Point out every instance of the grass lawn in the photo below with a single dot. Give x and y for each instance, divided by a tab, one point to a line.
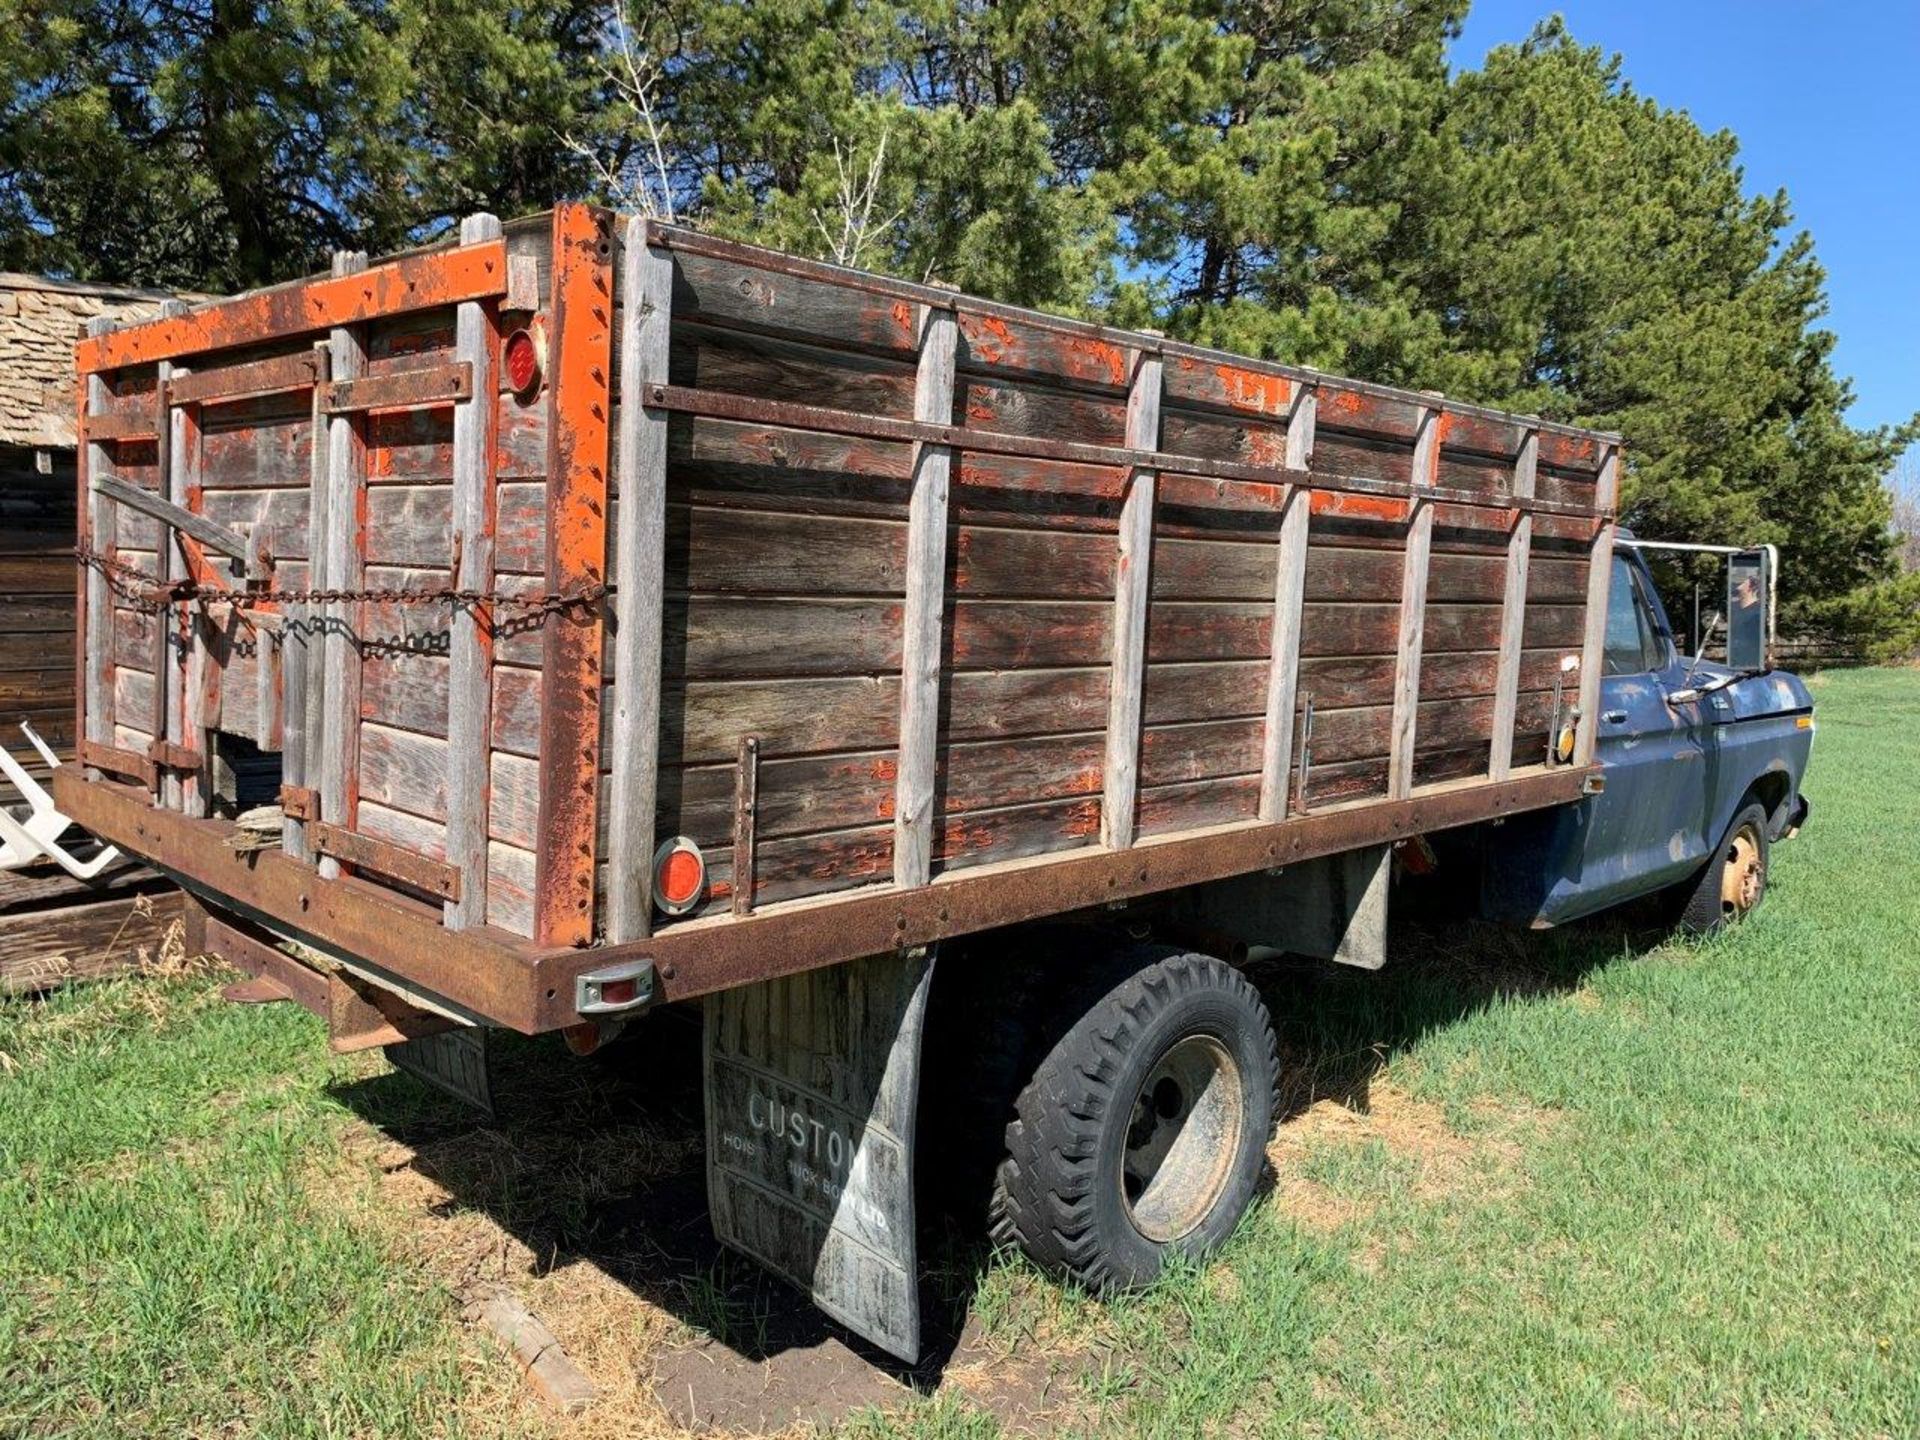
1582	1183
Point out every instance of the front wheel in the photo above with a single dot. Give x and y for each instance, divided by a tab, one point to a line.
1143	1130
1732	884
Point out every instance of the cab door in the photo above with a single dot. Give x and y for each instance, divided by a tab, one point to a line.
1648	826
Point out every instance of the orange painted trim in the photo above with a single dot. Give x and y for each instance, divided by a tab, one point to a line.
578	461
417	282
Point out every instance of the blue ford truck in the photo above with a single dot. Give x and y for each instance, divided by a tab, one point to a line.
589	618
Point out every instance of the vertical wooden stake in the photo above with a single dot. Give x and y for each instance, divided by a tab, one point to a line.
746	808
1599	577
1413	609
1289	590
470	654
303	630
101	518
925	608
1513	612
1133	581
646	291
345	563
166	783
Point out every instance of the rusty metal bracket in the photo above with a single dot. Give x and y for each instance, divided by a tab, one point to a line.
299	802
400	390
166	755
116	761
386	860
229	383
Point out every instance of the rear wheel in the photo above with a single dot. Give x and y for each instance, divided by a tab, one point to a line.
1143	1129
1732	884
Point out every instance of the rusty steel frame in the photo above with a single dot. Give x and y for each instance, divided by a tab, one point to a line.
414	282
529	987
721	405
578	461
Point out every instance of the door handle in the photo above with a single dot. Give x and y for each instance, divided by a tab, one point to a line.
1614	717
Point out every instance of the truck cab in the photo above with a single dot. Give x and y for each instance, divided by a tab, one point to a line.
1689	747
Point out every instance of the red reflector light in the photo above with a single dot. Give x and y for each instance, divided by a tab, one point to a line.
619	992
679	876
523	362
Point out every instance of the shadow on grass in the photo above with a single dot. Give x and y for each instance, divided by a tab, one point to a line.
601	1160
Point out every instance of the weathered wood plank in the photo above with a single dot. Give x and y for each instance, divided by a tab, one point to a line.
470	656
1289	594
1413	610
924	607
339	748
101	521
1599	576
1513	607
646	293
1132	589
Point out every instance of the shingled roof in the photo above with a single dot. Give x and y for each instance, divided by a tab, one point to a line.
40	318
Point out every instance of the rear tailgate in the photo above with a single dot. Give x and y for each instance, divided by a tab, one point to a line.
283	491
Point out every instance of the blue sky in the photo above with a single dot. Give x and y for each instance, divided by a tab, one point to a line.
1825	99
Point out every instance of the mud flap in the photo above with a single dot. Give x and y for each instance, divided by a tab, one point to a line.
1334	907
453	1062
811	1087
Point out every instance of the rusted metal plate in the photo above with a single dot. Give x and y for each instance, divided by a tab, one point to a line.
362	1016
482	970
299	802
392	862
135	425
253	952
414	282
172	756
811	1084
116	761
402	389
244	382
576	561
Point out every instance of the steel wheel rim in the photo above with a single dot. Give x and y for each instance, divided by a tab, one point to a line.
1743	873
1182	1139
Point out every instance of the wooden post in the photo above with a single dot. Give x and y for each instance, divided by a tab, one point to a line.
1132	582
1289	590
1413	609
1599	577
304	630
470	647
1513	612
346	486
102	522
199	675
164	778
646	290
925	607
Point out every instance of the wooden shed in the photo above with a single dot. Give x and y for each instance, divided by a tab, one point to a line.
50	924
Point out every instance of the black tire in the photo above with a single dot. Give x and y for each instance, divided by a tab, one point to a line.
1733	882
1105	1175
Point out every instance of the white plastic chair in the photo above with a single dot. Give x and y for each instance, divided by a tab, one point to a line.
37	837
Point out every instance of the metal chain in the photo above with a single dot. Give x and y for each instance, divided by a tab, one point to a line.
138	588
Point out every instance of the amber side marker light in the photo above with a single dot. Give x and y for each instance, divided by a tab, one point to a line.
679	875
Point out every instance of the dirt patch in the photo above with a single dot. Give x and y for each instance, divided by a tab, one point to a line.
1434	1158
585	1200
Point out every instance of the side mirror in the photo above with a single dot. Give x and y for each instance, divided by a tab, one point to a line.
1748	606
